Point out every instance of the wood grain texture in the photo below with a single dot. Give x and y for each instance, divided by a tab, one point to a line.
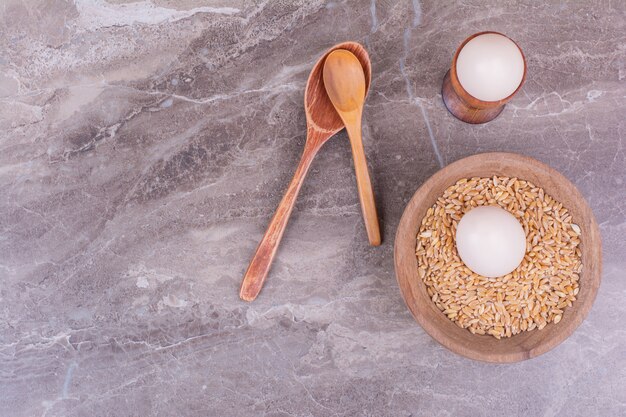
363	182
466	107
525	345
344	80
322	123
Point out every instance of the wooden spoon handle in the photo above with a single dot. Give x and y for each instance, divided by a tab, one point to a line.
262	260
364	185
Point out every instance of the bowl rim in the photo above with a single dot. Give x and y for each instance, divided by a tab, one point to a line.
430	320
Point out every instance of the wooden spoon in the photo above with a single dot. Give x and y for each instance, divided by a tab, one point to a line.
345	84
322	123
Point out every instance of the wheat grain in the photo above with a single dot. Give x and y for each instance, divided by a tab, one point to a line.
536	293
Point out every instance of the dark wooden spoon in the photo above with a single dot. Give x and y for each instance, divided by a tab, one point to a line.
322	123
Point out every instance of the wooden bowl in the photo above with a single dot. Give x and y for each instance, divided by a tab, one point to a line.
524	345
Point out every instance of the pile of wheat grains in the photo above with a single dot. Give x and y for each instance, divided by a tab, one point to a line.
535	293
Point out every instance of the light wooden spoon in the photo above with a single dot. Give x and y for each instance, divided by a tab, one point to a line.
322	123
345	84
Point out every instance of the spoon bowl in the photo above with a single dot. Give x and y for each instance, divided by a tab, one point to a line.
320	112
344	80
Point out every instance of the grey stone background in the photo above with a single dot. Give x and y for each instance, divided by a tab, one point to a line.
144	147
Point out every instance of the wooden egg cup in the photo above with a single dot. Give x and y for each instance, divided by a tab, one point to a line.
466	107
524	345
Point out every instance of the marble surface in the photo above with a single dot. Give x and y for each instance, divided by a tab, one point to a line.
145	145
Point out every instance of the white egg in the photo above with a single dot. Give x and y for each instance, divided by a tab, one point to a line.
490	67
491	241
